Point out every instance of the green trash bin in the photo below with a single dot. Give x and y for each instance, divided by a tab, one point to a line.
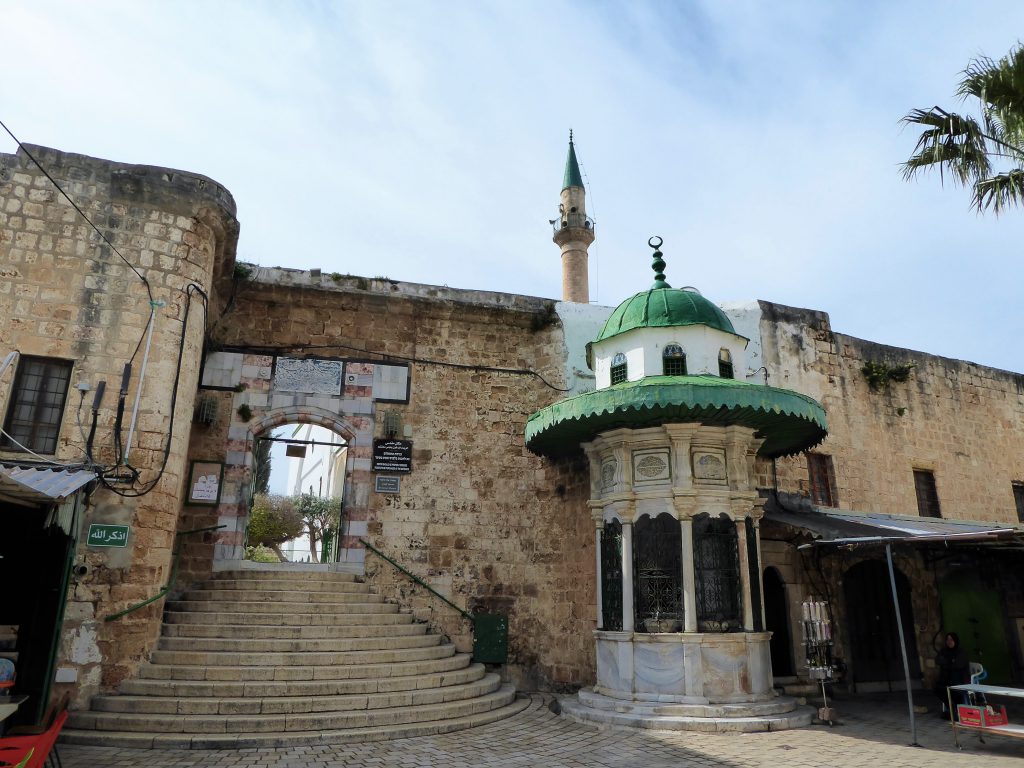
490	638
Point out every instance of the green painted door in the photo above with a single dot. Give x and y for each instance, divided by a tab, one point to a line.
976	615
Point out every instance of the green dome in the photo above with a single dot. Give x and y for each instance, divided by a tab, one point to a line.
662	308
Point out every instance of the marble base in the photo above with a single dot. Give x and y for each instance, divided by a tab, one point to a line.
779	714
685	667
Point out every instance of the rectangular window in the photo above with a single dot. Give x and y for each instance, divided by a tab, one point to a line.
822	479
618	373
927	495
1018	499
675	366
36	406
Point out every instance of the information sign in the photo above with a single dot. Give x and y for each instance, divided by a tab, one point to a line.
101	535
392	456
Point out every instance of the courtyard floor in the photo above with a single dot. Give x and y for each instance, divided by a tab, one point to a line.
873	732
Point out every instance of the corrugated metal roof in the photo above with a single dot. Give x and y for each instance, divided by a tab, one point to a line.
41	485
846	527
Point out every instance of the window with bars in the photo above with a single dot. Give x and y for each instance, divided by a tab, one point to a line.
618	368
36	405
1018	499
658	574
725	364
673	360
822	479
927	495
716	563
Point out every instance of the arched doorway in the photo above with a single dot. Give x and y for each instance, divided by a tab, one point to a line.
976	615
871	624
776	614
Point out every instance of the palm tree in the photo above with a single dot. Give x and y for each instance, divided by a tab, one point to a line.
987	152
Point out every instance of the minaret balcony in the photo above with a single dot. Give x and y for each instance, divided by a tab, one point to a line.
571	221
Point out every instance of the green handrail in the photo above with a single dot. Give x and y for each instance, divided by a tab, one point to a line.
417	580
173	576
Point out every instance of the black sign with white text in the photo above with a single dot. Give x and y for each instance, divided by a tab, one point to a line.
392	456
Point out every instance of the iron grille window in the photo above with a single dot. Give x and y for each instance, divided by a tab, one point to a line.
618	368
822	478
717	566
611	576
37	404
658	582
673	360
1018	499
927	495
725	364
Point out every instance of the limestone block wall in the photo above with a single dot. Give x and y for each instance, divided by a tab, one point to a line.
479	518
65	294
962	421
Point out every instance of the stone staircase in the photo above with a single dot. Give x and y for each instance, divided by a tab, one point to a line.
285	658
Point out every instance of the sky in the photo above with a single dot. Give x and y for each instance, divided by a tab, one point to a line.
425	141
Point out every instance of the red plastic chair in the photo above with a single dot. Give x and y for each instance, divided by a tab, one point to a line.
42	745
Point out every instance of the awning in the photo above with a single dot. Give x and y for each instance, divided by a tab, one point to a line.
24	484
849	528
788	421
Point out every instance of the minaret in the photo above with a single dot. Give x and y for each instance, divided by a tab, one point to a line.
574	232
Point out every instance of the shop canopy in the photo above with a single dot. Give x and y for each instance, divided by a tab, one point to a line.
30	485
848	528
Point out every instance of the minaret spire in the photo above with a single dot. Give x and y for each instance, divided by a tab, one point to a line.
574	231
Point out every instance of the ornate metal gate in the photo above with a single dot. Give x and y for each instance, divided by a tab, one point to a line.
717	566
611	576
658	591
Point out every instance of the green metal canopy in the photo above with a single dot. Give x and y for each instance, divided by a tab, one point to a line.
788	421
572	176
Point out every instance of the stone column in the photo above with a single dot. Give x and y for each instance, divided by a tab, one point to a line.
689	577
748	607
760	570
627	576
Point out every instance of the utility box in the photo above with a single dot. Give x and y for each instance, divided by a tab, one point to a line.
490	638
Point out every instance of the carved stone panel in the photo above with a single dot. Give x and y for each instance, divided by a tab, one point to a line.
320	377
651	466
608	468
709	467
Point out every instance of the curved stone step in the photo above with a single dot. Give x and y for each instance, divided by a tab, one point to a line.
289	705
278	596
284	585
326	672
126	739
298	658
574	709
302	632
290	723
344	687
278	607
378	642
253	574
177	616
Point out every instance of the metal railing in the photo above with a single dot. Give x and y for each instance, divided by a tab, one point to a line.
567	220
418	580
171	579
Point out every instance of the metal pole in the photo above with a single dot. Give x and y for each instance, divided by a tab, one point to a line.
903	646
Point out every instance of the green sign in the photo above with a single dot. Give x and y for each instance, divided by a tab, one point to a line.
107	535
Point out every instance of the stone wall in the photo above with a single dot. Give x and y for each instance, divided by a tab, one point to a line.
960	420
482	520
65	294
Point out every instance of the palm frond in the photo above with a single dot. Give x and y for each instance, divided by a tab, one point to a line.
999	192
952	144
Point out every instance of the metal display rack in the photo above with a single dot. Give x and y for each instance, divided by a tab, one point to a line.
818	647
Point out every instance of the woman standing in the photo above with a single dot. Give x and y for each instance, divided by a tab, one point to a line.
954	669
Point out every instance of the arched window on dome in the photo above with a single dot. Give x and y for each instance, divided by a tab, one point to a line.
673	360
618	368
725	364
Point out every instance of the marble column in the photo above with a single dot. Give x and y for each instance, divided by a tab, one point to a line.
741	543
599	527
689	577
627	576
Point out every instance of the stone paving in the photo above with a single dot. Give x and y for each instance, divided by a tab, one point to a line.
872	732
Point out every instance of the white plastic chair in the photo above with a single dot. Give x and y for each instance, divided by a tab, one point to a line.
978	673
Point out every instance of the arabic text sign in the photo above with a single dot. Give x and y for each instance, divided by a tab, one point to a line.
101	535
